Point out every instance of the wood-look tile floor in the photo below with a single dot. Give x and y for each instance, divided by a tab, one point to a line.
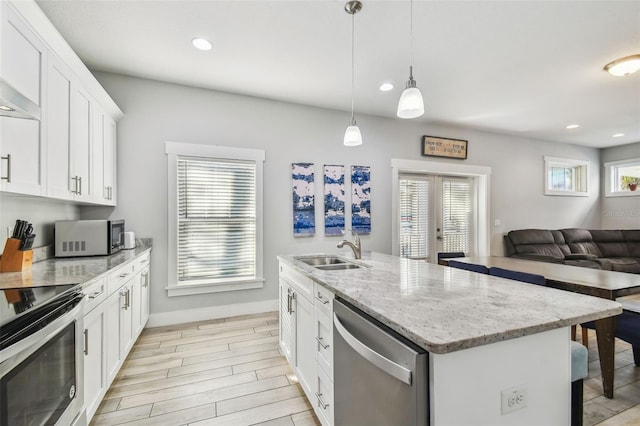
231	372
220	372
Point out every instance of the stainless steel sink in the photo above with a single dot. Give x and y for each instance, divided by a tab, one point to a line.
329	262
338	266
321	260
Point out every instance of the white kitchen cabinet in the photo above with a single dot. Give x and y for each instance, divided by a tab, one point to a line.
21	145
143	297
58	132
95	338
297	337
80	152
114	355
103	157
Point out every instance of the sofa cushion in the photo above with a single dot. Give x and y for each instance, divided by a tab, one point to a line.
610	242
531	236
558	238
632	238
543	249
580	241
622	264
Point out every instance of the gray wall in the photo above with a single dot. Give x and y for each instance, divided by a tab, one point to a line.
156	112
41	212
619	212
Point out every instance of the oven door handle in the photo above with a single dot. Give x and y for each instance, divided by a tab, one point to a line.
38	338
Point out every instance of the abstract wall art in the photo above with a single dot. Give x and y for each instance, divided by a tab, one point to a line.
304	221
361	199
333	200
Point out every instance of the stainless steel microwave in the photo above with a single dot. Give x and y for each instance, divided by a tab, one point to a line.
88	237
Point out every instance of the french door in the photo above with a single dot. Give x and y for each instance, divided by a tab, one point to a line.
436	214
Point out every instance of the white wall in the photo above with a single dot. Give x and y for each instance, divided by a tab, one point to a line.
619	212
156	112
40	212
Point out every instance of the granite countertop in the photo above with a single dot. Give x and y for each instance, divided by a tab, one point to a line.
445	309
71	270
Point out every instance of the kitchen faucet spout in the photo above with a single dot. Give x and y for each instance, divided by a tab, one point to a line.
355	246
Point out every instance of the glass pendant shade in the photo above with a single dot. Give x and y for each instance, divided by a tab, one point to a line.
411	104
352	136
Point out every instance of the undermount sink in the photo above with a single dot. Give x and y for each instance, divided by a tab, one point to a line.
329	263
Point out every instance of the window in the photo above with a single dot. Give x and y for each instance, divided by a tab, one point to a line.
564	176
622	178
415	195
215	218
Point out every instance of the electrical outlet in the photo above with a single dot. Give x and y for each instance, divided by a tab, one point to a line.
513	399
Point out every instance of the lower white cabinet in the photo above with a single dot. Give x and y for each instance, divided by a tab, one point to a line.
306	337
116	311
95	356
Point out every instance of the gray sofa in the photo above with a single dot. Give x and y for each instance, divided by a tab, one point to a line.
613	250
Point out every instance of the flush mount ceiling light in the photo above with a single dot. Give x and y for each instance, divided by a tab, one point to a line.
411	104
623	66
201	43
6	108
572	126
352	136
385	87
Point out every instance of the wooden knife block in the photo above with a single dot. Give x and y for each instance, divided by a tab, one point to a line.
14	260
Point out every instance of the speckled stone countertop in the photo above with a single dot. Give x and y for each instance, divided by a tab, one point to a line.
444	309
71	270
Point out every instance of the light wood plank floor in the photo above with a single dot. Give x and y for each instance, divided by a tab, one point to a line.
220	372
231	372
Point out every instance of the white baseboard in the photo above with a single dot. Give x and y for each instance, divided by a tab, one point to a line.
202	314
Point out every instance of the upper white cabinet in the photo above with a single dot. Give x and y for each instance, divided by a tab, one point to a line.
21	66
58	129
70	152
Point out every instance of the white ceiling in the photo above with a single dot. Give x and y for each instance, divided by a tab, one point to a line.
517	67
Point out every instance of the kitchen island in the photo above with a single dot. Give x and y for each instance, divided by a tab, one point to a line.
484	334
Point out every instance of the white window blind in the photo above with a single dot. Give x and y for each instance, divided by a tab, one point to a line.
414	216
456	215
216	220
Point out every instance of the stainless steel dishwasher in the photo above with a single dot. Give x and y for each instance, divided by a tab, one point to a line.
380	378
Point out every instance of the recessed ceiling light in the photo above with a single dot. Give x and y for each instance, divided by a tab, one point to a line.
573	126
385	87
6	108
617	135
202	44
623	66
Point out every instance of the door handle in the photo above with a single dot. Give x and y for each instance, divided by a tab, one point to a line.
319	340
86	341
385	364
321	403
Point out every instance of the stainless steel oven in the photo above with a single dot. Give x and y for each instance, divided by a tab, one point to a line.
41	356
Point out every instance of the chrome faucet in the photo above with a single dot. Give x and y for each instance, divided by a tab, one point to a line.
355	246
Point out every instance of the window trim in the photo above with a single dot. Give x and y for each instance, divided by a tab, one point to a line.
175	149
608	176
548	161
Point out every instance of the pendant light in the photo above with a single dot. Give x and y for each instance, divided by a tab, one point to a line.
352	136
411	104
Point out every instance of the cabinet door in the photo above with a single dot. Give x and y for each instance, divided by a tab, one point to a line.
126	324
109	160
58	129
144	297
95	362
136	305
287	323
305	346
81	115
20	152
115	304
100	194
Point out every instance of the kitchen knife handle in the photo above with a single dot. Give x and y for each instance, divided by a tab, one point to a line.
8	177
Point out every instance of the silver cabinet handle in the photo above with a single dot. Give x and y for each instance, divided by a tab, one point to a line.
123	293
124	275
80	180
383	363
86	341
321	299
321	403
146	279
319	340
128	298
75	185
95	294
105	192
8	176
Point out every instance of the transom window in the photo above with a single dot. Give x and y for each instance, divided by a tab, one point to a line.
622	178
564	176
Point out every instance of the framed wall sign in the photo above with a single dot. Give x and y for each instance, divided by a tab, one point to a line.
433	146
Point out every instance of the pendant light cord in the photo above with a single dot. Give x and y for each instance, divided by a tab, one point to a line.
352	64
411	40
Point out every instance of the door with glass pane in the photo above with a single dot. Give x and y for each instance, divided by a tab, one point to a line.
436	214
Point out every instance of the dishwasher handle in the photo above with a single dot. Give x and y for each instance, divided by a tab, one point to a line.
396	370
